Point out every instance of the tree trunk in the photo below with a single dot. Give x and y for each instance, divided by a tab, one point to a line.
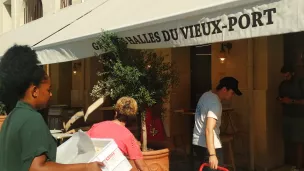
144	132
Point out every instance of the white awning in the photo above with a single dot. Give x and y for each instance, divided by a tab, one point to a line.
170	23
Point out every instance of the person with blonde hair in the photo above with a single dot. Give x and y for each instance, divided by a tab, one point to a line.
116	129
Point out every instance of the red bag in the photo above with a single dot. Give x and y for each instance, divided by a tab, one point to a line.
207	165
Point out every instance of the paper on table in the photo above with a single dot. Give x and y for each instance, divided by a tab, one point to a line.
81	114
93	107
78	149
73	119
61	135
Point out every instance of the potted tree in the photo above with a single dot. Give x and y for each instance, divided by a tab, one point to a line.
2	114
141	74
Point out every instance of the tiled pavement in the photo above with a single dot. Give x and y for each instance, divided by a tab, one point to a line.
179	163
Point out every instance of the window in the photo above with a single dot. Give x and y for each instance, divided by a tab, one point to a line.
65	3
32	10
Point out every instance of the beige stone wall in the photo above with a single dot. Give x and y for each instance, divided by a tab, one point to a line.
235	65
260	99
92	66
167	53
260	109
268	133
180	97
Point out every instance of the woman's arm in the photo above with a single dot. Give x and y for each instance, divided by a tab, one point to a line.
40	163
135	153
141	165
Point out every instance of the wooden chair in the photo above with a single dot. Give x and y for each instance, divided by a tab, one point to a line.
228	139
179	142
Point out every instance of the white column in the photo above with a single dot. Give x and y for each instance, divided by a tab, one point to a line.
1	18
57	5
17	13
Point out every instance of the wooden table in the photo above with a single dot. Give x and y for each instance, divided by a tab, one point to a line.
191	113
61	136
225	112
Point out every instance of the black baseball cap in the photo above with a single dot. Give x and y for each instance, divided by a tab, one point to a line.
287	68
231	83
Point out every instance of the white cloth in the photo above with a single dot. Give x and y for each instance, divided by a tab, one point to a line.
209	105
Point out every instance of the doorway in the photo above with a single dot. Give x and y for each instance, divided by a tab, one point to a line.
200	66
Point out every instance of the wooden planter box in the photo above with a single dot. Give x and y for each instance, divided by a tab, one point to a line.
2	118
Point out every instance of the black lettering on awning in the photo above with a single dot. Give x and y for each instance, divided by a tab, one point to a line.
174	34
206	31
136	40
147	40
95	46
232	22
191	31
216	26
129	39
184	32
157	37
166	35
269	13
142	41
256	19
197	29
244	23
151	37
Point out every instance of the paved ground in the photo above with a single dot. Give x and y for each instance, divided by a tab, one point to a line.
178	162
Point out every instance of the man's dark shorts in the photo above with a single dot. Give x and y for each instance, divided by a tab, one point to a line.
202	156
293	128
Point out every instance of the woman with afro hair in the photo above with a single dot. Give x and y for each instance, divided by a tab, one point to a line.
26	143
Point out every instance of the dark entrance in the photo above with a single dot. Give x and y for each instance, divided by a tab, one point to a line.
200	64
294	56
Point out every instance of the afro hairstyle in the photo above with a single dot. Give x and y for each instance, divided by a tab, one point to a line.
19	68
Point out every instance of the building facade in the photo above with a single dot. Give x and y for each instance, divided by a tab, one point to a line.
255	62
15	13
